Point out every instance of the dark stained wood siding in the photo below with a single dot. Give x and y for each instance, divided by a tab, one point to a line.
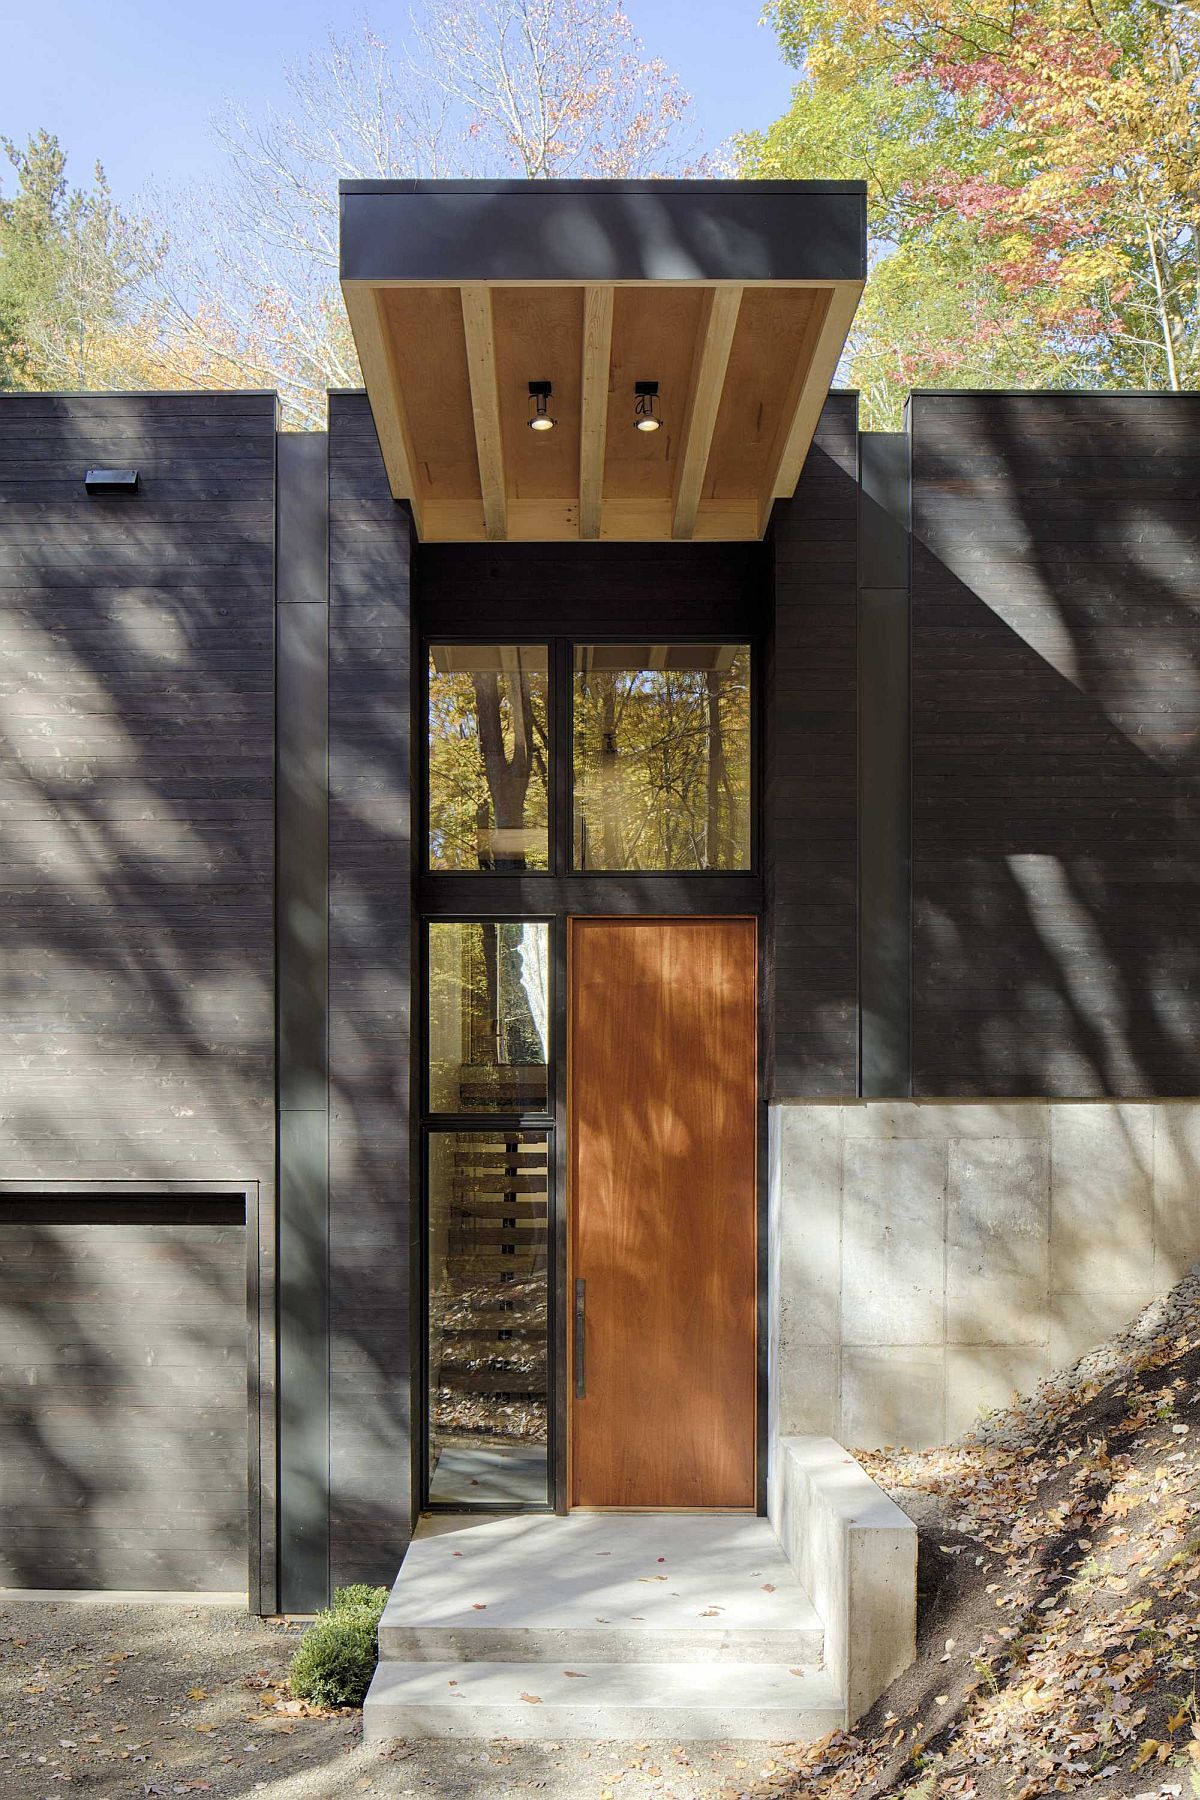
1056	721
371	1195
811	773
580	590
122	1403
136	797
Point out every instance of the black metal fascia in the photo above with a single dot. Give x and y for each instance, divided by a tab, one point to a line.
302	980
884	766
546	231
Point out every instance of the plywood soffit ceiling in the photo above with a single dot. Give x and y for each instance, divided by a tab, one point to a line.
743	369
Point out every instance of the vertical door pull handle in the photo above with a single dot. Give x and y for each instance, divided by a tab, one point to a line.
580	1336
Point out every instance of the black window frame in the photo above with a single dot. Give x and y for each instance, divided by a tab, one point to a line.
555	895
560	811
431	1122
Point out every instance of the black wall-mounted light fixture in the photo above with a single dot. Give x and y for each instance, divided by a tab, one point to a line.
539	406
111	481
645	406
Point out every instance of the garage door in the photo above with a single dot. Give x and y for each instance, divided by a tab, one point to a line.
122	1393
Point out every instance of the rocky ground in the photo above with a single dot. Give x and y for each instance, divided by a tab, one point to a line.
1059	1649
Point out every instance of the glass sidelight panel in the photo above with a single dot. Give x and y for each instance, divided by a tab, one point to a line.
662	756
487	1252
488	756
489	1005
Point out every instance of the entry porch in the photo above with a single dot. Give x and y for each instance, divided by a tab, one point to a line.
681	1625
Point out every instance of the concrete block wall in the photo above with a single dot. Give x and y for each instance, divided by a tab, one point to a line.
929	1259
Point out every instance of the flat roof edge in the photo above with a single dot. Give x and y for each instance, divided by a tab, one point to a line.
604	232
1053	393
655	185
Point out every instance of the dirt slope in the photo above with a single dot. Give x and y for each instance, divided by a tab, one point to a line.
1060	1584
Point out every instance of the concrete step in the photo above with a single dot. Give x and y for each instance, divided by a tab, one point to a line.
599	1588
640	1701
597	1643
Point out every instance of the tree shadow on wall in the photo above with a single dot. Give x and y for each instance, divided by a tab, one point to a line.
136	997
1056	745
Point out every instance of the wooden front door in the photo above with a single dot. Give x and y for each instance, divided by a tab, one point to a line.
662	1197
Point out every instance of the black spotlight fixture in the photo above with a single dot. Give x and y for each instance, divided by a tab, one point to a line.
539	406
645	406
111	481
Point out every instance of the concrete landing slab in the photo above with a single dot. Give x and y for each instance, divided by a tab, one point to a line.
599	1587
637	1701
512	1476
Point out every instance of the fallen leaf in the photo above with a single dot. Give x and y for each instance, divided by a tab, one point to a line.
532	1699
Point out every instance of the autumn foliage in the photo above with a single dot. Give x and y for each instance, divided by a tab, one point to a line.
1040	162
1059	1643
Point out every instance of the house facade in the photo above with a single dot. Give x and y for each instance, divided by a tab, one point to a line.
586	919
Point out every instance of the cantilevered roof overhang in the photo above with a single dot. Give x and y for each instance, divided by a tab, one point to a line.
734	296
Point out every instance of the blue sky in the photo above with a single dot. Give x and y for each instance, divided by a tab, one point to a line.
136	82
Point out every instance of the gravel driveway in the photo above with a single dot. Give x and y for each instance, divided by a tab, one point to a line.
101	1701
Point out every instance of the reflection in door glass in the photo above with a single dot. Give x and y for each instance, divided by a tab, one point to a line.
488	756
489	995
661	742
488	1194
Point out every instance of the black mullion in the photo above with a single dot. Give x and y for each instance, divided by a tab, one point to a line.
562	760
557	1398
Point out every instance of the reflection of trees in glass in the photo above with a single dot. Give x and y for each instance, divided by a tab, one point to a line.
662	758
487	1016
488	754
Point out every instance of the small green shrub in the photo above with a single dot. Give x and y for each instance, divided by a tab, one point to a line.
336	1657
359	1594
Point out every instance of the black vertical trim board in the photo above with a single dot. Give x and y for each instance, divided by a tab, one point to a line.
302	951
885	767
810	774
372	1180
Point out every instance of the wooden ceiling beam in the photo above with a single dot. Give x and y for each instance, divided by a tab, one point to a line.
715	341
485	406
593	406
812	378
383	391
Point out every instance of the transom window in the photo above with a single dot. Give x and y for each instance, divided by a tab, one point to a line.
658	737
489	755
661	742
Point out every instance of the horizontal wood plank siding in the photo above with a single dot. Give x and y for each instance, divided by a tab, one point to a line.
1056	720
586	590
811	774
371	1199
122	1350
136	804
